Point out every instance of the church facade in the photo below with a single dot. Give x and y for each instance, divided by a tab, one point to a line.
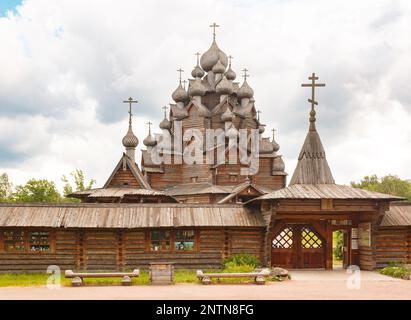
210	186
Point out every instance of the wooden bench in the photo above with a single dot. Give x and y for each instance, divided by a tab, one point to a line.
259	277
77	277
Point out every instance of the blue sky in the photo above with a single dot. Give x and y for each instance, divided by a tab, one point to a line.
6	5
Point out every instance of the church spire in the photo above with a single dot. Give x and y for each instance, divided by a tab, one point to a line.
312	166
130	141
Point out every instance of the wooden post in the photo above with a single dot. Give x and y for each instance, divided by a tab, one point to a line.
120	251
355	256
329	246
80	250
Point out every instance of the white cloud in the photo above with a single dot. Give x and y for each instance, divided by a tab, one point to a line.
66	67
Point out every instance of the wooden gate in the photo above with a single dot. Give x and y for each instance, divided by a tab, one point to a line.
298	246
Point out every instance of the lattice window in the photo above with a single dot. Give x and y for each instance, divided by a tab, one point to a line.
284	239
309	239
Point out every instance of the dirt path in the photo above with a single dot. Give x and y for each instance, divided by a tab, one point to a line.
304	285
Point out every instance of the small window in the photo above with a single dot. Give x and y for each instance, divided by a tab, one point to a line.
233	177
160	240
14	241
39	241
184	240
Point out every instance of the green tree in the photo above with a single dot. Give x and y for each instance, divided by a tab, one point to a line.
37	191
79	181
5	188
389	184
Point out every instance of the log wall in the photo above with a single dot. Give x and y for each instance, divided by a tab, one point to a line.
64	255
118	250
393	245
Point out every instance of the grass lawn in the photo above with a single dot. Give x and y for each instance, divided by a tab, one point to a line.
37	279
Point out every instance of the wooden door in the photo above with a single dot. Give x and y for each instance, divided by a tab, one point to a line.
298	246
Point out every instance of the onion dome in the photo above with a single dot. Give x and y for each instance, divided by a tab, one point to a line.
261	128
224	86
278	164
165	124
212	56
265	146
149	141
245	91
232	132
197	72
180	95
197	88
230	74
276	146
227	115
130	140
218	68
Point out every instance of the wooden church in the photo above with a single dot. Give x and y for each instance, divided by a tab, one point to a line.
199	213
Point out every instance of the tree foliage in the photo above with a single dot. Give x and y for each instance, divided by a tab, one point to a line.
37	191
80	184
5	188
389	184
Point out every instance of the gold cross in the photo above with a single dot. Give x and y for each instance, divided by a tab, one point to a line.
313	85
214	25
130	101
180	71
245	75
198	56
230	57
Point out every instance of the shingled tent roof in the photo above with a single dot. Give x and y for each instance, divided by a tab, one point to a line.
312	166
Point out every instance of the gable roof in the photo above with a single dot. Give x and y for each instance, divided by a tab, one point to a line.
197	188
125	160
241	187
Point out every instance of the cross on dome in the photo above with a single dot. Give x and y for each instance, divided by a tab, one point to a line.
180	71
130	101
214	25
198	54
245	75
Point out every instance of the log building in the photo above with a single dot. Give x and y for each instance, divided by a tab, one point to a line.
197	214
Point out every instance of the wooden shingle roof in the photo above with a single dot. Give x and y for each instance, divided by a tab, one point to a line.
312	166
324	191
128	216
399	214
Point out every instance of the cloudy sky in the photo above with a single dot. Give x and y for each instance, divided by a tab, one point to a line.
65	68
